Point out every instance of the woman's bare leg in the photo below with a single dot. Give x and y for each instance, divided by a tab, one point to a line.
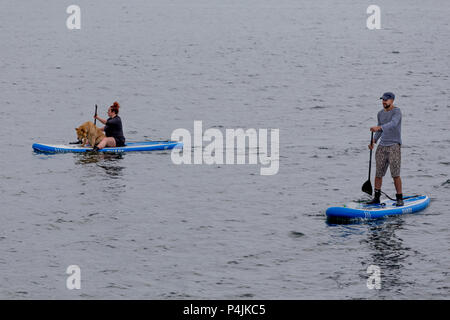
107	142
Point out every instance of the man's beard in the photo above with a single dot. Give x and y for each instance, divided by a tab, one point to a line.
386	106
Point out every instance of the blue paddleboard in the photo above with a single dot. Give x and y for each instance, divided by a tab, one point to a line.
129	147
386	208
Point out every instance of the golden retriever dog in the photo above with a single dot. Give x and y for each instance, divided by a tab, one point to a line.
89	132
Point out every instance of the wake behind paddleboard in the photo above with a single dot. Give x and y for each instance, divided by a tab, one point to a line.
356	210
129	147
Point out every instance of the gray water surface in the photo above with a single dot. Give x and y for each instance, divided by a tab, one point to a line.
141	227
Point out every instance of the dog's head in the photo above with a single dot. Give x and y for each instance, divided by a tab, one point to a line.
82	132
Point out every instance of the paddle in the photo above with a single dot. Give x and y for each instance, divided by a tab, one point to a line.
95	120
367	186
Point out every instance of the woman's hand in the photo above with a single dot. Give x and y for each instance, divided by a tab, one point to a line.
100	119
371	145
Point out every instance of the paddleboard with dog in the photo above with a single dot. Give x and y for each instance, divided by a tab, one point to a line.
387	207
129	147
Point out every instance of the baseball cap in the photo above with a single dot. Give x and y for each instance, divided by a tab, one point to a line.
387	96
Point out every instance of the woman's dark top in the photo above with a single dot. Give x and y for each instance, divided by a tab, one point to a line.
113	128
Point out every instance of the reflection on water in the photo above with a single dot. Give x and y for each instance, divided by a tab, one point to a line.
388	249
106	161
388	252
385	247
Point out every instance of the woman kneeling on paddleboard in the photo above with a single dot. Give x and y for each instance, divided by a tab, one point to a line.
113	129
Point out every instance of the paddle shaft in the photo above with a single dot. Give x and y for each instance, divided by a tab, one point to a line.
370	160
95	120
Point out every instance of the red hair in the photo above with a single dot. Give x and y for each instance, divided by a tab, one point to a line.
115	107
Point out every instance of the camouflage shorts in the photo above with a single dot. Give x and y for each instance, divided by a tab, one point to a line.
388	156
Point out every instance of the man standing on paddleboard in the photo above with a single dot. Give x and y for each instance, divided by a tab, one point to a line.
388	152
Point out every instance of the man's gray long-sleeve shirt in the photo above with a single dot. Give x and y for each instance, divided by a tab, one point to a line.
391	125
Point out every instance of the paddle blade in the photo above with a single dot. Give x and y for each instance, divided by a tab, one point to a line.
367	187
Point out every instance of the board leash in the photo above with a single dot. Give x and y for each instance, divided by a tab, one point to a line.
408	197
